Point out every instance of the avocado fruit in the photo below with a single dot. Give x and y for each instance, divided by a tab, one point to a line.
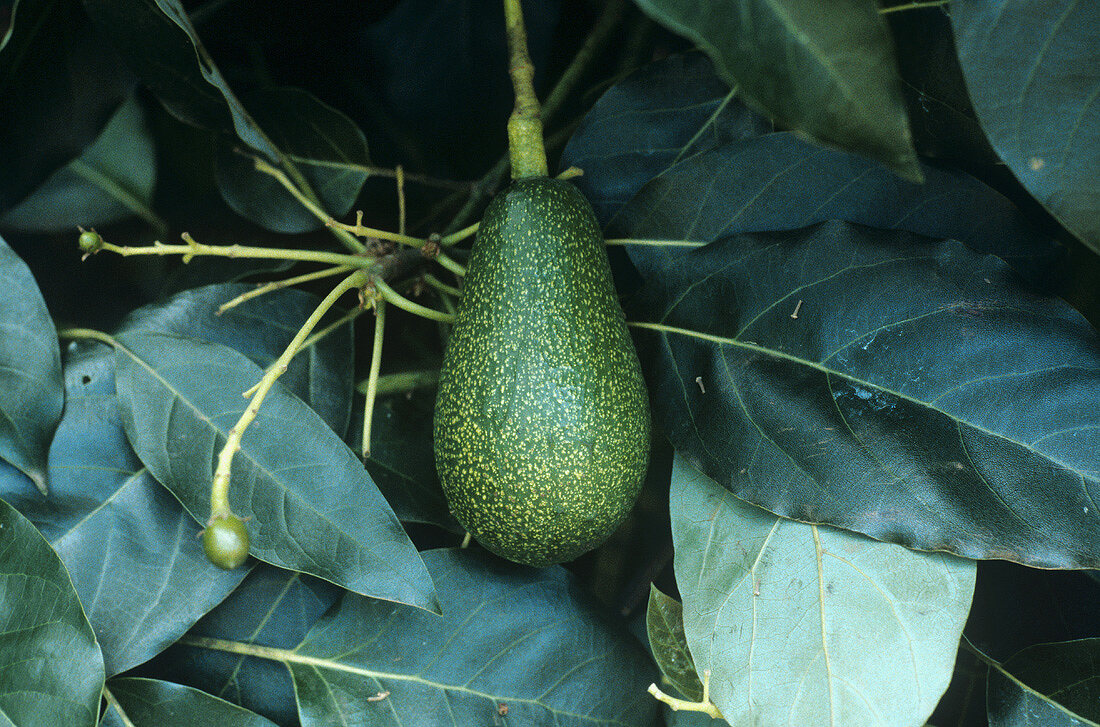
542	421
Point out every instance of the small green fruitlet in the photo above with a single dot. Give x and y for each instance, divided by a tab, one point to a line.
225	541
90	241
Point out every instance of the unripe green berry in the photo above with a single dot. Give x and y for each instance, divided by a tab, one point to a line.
225	541
90	241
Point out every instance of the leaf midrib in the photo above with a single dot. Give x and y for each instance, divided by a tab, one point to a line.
288	657
757	348
260	466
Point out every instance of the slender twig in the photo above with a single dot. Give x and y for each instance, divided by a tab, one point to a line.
423	179
450	264
440	285
704	705
607	22
401	382
400	200
280	284
348	317
375	367
914	6
76	334
191	248
457	237
654	243
307	201
392	296
219	488
361	230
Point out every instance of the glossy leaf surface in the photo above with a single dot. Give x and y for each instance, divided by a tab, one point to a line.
665	112
272	608
111	180
59	84
910	390
313	509
513	636
665	627
1058	684
779	182
261	328
802	624
132	551
51	670
326	146
154	703
1033	70
827	71
31	395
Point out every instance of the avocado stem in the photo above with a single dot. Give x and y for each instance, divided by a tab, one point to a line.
219	487
375	367
525	145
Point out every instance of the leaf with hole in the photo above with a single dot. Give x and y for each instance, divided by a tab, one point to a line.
313	509
809	625
127	543
908	389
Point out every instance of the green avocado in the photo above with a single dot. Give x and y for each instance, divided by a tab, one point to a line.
542	421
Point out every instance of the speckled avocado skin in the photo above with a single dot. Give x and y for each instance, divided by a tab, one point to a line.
542	421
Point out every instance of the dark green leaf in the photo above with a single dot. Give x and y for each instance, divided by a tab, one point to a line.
110	181
310	508
272	608
525	639
440	71
261	328
805	625
153	703
779	182
910	390
31	394
1060	680
326	146
402	460
1016	607
825	70
1033	71
1053	685
666	112
59	84
943	121
127	543
665	627
158	41
51	670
